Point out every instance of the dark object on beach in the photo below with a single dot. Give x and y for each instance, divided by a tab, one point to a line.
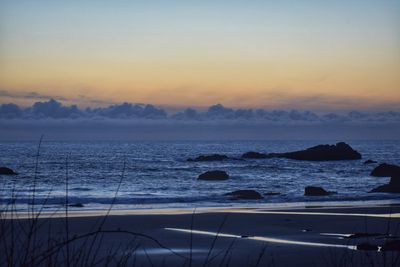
364	235
316	191
245	194
386	170
340	151
76	205
213	157
392	187
391	245
370	161
7	171
367	247
272	194
213	175
254	155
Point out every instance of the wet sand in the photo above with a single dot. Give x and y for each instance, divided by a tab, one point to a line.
230	236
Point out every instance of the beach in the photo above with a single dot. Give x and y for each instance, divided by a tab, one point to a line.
307	236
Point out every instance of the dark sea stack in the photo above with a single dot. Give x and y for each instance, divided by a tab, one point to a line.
340	151
392	187
386	170
213	157
245	194
370	161
254	155
214	175
7	171
316	191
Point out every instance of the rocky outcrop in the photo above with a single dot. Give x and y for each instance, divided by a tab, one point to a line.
245	194
7	171
370	161
254	155
386	170
316	191
213	157
340	151
213	175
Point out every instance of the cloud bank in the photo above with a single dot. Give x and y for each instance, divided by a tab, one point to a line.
53	109
131	122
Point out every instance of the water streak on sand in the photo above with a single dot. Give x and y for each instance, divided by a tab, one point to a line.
264	239
374	215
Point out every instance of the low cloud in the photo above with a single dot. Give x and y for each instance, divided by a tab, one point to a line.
53	109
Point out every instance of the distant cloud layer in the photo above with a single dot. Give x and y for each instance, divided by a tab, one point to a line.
53	109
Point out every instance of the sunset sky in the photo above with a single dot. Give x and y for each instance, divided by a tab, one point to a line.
323	55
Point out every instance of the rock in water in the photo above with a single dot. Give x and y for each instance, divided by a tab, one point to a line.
245	194
386	170
214	157
392	187
316	191
7	171
254	155
340	151
370	161
213	175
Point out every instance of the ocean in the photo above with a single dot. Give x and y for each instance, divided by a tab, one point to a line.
158	175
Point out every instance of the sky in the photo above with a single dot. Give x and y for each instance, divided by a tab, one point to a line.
318	55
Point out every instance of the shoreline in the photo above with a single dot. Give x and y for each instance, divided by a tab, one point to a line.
305	207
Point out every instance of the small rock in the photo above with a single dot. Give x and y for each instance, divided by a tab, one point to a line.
386	170
7	171
213	157
213	175
76	205
392	187
370	161
316	191
245	194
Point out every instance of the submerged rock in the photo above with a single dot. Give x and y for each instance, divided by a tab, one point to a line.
7	171
76	205
213	157
254	155
245	194
386	170
340	151
370	161
316	191
392	187
213	175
